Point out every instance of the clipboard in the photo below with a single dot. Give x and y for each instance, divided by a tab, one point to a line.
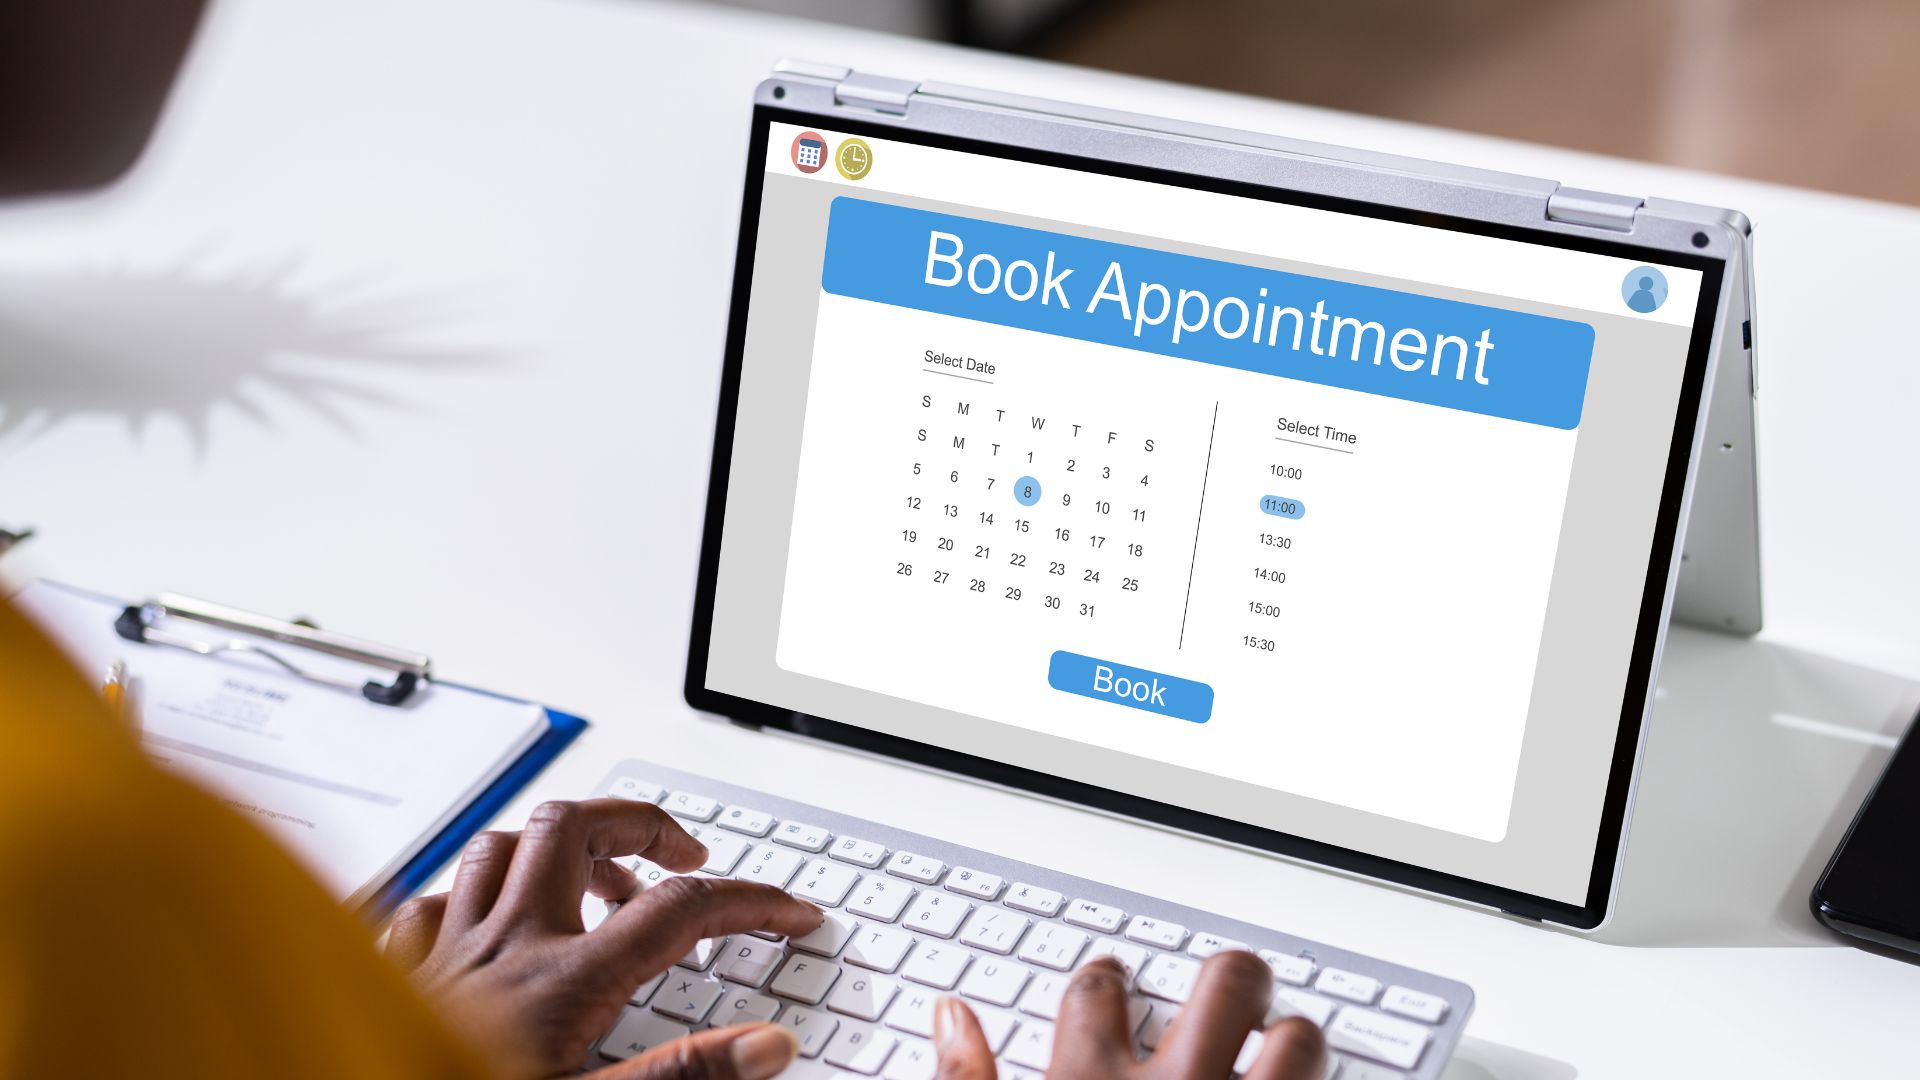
245	645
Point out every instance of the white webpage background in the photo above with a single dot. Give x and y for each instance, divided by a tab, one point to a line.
1411	616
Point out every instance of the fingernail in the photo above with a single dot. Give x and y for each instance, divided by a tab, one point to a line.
691	862
946	1021
763	1052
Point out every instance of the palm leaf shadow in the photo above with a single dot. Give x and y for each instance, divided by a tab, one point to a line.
140	346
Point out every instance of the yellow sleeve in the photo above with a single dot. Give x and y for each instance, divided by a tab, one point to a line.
147	930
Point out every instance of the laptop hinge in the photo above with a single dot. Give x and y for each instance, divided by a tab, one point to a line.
1595	208
875	92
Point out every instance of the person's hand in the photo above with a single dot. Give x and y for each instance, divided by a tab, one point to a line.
506	954
1093	1041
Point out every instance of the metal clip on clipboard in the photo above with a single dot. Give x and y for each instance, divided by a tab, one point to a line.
137	623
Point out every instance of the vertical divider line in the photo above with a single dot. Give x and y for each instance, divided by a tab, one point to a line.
1194	559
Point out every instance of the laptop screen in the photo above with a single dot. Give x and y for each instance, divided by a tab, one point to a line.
1335	524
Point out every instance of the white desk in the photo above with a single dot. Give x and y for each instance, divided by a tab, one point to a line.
411	321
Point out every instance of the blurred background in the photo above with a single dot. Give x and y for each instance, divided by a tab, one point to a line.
1748	87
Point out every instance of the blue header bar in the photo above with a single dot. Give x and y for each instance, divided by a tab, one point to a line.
1486	360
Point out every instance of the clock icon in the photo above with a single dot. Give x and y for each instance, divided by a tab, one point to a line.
854	159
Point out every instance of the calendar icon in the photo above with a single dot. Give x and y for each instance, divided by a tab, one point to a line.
809	151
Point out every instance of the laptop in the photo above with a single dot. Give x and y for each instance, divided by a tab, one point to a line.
1307	500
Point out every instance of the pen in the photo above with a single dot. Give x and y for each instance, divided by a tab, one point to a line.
114	689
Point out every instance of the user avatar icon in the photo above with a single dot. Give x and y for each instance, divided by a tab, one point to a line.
1644	290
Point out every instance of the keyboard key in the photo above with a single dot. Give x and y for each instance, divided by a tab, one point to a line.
770	865
1355	1069
638	1032
1348	986
1035	900
912	1060
1095	916
723	851
1131	957
812	1027
1163	935
1137	1009
1055	947
937	914
859	852
1249	1050
880	948
693	807
700	957
913	1012
1292	970
975	884
879	898
998	1027
937	964
825	883
1155	1028
743	1007
742	820
994	980
1042	998
1415	1004
805	978
994	930
915	867
804	837
594	911
648	873
1377	1036
645	990
748	960
686	997
630	787
1290	1002
829	937
862	995
1205	945
1169	977
1032	1045
862	1048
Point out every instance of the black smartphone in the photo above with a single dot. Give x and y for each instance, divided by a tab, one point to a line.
1871	887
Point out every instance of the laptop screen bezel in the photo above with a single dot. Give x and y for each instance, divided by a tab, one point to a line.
1647	636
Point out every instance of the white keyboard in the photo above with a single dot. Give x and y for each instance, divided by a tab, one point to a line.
911	919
